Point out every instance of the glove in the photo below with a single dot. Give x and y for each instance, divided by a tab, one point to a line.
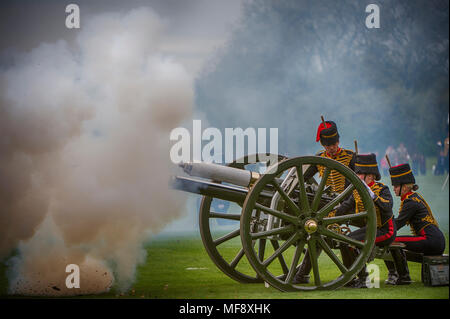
372	194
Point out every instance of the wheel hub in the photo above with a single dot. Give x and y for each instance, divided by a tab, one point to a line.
311	226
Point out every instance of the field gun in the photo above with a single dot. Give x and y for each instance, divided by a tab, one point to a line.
277	214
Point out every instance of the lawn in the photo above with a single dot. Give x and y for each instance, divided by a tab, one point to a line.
178	267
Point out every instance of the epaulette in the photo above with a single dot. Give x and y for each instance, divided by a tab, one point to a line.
348	151
415	198
380	184
378	187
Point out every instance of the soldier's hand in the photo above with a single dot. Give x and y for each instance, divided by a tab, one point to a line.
372	194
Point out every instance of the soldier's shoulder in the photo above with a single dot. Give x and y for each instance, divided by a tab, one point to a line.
416	198
347	152
380	185
412	198
320	153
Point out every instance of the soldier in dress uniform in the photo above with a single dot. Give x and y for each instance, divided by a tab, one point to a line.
329	139
328	135
366	168
414	211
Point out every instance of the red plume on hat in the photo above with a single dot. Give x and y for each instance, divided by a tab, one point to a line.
321	128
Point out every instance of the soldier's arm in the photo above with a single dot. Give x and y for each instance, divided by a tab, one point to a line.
311	170
346	207
384	199
408	209
351	165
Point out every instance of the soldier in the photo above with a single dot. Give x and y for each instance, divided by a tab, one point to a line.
366	168
414	211
328	136
329	139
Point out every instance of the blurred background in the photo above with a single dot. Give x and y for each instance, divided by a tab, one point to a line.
288	62
282	64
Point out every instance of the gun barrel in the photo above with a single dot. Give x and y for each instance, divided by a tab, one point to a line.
225	192
235	176
231	193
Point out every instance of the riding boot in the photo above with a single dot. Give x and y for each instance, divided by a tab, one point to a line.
362	278
362	275
302	276
393	275
348	257
401	264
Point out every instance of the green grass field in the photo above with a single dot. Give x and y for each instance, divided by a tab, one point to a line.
162	279
177	266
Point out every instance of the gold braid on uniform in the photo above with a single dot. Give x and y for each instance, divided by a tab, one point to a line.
337	182
429	218
335	179
359	205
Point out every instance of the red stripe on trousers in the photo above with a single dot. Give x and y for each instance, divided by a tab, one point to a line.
388	235
411	238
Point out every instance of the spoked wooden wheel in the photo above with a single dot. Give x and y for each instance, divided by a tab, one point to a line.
304	223
221	245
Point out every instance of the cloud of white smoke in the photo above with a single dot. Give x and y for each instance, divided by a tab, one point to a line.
84	152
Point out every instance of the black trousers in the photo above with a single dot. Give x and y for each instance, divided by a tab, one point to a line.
430	241
384	237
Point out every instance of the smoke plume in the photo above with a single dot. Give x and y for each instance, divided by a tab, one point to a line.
84	160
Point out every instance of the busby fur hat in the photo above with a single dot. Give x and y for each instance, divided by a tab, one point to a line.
327	135
367	164
401	174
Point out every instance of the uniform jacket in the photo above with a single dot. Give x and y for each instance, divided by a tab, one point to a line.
383	203
415	212
335	179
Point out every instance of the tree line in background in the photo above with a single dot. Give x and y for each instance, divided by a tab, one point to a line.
290	61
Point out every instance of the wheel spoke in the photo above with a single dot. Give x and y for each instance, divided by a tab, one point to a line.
318	196
279	265
341	237
281	249
330	206
225	216
295	259
276	213
284	267
315	266
275	231
261	249
332	255
304	203
343	219
286	198
228	236
238	258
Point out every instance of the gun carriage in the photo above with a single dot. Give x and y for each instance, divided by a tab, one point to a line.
280	216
